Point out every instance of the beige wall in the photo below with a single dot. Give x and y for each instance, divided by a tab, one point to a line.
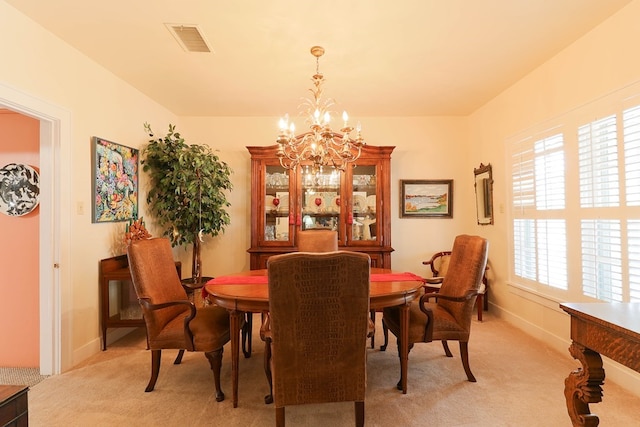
596	65
39	65
426	148
19	308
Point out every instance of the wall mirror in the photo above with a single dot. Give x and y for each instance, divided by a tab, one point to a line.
484	194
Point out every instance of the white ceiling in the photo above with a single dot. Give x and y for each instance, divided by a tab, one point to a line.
383	58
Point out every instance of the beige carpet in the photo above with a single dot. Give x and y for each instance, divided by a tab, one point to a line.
520	383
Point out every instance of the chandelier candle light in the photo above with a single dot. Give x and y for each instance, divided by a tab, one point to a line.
321	146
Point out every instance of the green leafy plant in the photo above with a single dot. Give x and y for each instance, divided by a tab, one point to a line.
187	195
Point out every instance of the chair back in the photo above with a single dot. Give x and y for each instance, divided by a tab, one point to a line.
465	272
319	308
317	240
154	276
440	263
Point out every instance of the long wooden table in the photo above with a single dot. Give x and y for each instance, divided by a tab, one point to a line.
609	329
240	297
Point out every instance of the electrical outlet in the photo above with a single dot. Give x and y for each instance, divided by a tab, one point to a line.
80	208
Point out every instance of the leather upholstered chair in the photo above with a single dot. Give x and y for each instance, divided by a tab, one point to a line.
449	318
316	331
172	321
313	240
322	240
439	264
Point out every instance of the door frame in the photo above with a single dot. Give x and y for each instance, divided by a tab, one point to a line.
55	124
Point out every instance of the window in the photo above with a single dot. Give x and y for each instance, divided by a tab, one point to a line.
578	218
539	191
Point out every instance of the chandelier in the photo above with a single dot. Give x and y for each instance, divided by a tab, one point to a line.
321	146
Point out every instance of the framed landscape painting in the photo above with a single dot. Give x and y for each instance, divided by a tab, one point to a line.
115	181
426	198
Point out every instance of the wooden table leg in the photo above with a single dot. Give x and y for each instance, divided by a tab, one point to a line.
404	345
234	326
583	386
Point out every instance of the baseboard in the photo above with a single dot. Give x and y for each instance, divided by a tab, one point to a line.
95	345
615	372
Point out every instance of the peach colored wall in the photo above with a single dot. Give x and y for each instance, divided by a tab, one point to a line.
19	258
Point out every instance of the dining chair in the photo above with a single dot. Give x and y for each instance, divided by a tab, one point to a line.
439	265
324	240
312	240
172	321
449	317
316	330
320	240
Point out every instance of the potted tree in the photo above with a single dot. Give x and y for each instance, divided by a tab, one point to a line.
187	192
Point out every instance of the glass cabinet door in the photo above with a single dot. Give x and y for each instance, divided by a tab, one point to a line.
277	213
320	201
364	205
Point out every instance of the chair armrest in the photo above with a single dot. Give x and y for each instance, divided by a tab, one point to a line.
428	329
188	318
371	328
192	308
265	329
433	280
470	293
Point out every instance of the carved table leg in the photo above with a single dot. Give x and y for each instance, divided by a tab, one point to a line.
583	386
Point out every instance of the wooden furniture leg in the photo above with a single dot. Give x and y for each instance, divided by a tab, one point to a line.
404	345
234	326
583	386
246	335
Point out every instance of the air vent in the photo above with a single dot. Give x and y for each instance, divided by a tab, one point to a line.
189	37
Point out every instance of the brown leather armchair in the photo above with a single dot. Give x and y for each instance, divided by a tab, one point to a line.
322	240
449	318
439	264
172	321
318	314
313	240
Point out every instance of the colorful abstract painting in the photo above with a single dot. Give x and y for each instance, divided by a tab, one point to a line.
115	182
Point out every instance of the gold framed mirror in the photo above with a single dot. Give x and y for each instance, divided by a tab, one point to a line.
484	194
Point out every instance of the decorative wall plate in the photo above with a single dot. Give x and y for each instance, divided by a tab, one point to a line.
19	189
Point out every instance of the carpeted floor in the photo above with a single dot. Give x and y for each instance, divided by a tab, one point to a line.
520	383
21	376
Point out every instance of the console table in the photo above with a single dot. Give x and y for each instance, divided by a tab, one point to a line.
14	406
609	329
119	307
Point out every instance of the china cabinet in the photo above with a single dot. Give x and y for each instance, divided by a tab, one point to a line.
355	203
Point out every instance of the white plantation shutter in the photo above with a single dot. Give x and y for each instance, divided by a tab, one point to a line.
598	163
585	213
633	238
538	185
552	253
524	241
549	173
602	259
523	178
631	130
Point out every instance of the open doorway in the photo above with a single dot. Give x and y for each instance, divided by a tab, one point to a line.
53	245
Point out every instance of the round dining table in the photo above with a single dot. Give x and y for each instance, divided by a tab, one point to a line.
248	291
